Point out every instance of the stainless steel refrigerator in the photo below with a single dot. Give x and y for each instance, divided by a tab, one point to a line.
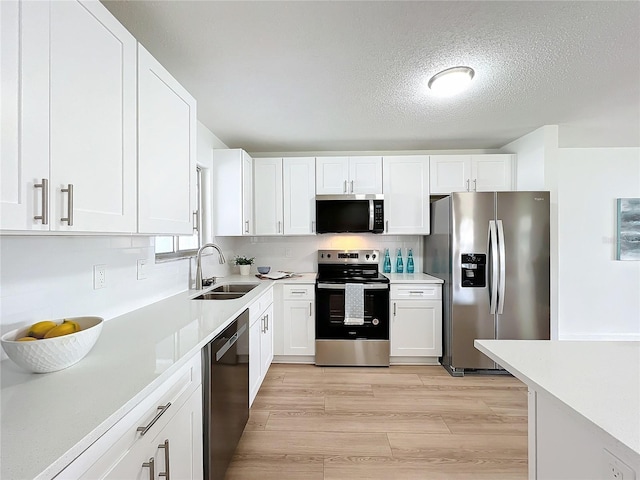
492	251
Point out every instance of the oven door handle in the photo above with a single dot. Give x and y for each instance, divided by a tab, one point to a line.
341	286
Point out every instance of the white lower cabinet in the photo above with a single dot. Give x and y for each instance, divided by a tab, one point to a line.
416	320
160	437
298	320
260	341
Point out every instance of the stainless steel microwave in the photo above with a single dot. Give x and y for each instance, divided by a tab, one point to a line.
349	213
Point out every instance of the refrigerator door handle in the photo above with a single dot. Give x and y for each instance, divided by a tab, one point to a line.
493	254
503	269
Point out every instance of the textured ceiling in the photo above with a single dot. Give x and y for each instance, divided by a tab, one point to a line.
273	76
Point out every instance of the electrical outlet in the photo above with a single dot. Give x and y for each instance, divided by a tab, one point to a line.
616	469
142	269
99	276
287	253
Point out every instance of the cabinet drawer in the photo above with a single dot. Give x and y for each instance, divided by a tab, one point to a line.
260	305
298	292
124	436
424	291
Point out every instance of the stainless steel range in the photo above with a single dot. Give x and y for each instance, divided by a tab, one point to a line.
352	309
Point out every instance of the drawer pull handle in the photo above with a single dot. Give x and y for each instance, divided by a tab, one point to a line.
165	445
298	292
416	292
152	473
161	410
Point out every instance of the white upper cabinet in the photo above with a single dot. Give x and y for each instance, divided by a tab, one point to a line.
299	195
406	194
267	189
471	173
284	195
346	175
167	151
232	192
75	74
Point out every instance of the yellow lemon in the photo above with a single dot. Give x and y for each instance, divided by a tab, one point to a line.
40	329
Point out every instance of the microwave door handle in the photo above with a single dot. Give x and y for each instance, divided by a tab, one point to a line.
370	215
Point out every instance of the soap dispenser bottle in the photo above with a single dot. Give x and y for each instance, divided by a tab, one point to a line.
410	262
386	265
399	266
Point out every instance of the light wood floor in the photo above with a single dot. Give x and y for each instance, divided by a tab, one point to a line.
401	422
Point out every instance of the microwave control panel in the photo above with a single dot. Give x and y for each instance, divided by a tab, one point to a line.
473	269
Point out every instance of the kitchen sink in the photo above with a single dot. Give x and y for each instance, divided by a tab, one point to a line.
235	288
229	291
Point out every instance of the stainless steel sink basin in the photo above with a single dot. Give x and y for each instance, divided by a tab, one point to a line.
220	296
235	287
229	291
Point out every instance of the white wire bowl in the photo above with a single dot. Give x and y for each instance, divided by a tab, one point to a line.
53	354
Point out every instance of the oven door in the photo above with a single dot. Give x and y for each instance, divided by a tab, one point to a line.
330	313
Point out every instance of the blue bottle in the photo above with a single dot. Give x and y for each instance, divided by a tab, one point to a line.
399	266
410	262
386	266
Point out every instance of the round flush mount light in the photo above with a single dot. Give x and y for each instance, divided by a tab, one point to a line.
451	81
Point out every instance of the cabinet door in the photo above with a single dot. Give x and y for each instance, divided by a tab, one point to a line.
178	447
416	328
167	151
92	119
365	175
24	145
449	173
267	191
299	195
255	357
406	194
266	342
491	173
332	175
299	327
247	194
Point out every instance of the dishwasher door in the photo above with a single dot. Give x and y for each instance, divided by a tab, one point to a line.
225	366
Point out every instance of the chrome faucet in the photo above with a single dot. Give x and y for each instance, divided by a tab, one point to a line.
221	260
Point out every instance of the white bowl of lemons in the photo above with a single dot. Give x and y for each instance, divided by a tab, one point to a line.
52	345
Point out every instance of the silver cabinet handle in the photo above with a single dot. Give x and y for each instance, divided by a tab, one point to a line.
152	473
161	410
467	184
351	186
267	327
279	225
313	226
394	309
246	226
165	445
69	217
44	185
196	220
386	226
344	189
475	184
310	305
263	327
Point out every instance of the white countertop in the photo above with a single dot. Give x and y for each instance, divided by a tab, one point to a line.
412	278
599	380
49	419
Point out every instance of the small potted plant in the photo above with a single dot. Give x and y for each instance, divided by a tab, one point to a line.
244	263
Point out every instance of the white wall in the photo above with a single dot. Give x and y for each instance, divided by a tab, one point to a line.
599	296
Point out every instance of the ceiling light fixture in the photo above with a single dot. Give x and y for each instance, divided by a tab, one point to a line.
451	81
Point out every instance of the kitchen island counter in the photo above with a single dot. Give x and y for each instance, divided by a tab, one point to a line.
49	419
591	389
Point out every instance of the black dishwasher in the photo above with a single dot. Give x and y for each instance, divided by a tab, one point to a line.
225	379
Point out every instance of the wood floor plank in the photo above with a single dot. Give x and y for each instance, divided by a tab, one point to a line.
289	403
356	422
257	420
406	405
317	390
458	447
313	443
371	378
276	467
486	424
484	381
391	468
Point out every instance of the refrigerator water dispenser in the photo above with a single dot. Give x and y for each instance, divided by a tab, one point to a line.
473	269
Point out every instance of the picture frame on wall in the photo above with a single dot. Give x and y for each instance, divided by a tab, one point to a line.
628	243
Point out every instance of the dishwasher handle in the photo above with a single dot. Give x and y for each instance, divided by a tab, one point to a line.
230	343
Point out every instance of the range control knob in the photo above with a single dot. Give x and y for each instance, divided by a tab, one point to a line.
328	255
373	256
367	255
375	321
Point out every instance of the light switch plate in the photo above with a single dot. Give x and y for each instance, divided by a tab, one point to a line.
142	269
